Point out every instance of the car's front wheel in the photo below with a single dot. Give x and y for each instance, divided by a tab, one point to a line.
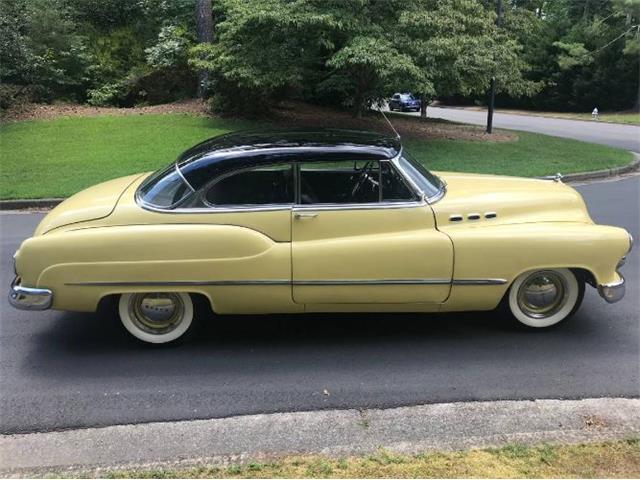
160	317
543	298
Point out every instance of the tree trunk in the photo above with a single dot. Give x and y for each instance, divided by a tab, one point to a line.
423	107
636	107
204	33
358	104
358	98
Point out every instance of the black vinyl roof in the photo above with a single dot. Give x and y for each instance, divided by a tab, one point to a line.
239	150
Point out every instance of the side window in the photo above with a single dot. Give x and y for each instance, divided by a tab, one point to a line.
394	188
396	96
259	186
340	182
352	182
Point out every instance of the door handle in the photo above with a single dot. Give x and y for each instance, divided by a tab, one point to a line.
305	215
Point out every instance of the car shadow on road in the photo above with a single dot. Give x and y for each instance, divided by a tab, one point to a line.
96	345
102	331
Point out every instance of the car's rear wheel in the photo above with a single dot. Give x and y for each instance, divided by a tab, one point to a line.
157	317
543	298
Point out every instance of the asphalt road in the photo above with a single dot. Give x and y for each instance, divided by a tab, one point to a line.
62	370
612	134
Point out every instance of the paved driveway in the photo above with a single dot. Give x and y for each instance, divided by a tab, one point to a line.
61	370
615	135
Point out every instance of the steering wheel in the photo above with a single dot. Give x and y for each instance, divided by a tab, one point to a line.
363	178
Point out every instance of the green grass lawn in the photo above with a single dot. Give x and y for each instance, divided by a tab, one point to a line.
56	158
616	459
530	156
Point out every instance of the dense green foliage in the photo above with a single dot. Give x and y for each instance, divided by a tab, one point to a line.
585	53
546	54
60	163
356	52
118	52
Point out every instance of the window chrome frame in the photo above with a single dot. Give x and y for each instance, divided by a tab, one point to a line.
421	198
429	200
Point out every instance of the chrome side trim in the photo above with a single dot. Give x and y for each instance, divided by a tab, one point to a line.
187	283
234	209
408	281
358	206
480	281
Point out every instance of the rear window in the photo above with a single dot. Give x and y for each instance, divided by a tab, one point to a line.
164	189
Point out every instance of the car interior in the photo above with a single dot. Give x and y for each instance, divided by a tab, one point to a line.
320	183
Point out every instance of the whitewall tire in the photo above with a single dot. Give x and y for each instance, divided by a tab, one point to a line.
160	317
542	298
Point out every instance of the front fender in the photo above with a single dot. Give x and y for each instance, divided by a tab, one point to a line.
506	251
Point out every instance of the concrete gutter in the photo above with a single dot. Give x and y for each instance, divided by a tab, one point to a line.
446	426
35	203
47	203
601	174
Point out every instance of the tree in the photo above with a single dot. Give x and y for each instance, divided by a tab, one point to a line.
373	65
582	52
458	46
263	51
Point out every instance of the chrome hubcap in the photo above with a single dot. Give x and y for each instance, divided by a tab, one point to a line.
542	294
156	313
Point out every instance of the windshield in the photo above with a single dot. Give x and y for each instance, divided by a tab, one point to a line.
407	96
165	188
423	178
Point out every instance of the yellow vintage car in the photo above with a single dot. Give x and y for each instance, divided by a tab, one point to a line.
316	221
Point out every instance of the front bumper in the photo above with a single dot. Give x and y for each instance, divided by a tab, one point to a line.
612	292
26	298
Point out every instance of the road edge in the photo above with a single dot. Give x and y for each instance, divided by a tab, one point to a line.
46	203
534	113
408	430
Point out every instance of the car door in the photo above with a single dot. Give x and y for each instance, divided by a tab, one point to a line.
395	102
361	235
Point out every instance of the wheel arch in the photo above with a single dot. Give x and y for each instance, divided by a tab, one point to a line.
201	300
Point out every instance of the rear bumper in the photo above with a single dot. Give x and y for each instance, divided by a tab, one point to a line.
26	298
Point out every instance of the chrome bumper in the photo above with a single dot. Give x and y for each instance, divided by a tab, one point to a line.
612	292
25	298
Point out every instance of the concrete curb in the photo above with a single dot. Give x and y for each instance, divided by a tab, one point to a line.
445	426
44	203
35	203
600	174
